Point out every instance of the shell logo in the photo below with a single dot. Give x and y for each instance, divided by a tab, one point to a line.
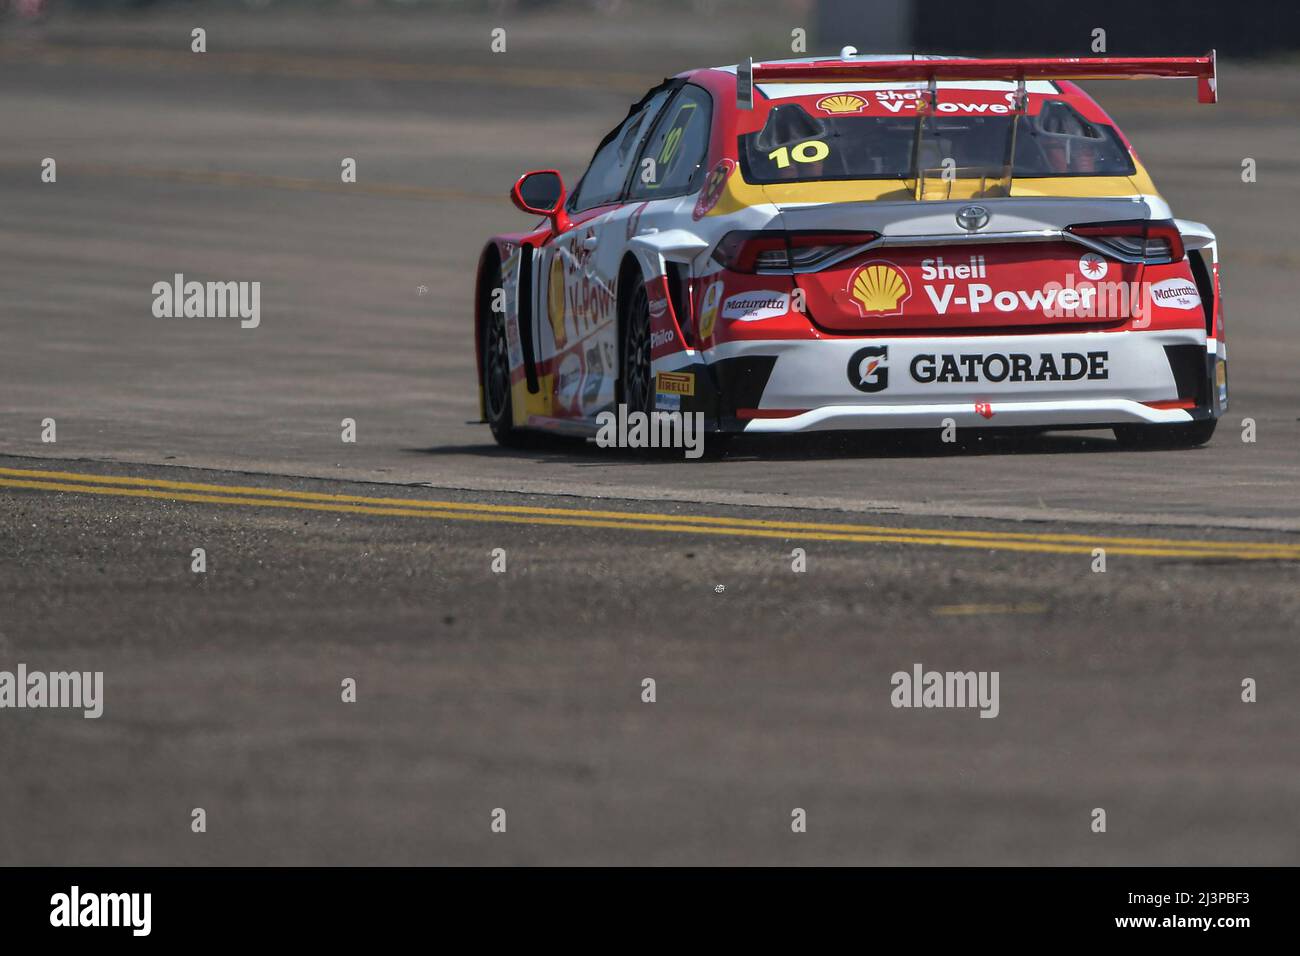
879	288
842	103
555	301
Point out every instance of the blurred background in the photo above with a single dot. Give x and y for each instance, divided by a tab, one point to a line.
1009	26
226	166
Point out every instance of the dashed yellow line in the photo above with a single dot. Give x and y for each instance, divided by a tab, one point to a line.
963	610
1095	540
208	493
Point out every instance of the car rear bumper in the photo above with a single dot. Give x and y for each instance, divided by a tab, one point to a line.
1051	380
1062	414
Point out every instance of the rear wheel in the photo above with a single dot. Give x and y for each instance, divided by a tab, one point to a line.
636	387
636	382
1187	435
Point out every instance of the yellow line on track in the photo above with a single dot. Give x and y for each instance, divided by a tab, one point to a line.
961	610
206	493
628	515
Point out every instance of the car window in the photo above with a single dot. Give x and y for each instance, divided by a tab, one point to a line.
678	148
605	177
1057	141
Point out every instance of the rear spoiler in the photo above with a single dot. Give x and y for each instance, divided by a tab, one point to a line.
847	69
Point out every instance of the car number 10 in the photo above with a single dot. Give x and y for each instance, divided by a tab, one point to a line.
813	151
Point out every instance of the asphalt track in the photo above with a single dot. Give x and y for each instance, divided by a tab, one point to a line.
522	690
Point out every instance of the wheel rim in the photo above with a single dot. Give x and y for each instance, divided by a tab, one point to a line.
496	368
636	359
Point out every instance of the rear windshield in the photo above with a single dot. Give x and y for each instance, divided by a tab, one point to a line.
1057	141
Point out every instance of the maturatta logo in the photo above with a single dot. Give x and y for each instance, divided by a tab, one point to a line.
752	306
1175	294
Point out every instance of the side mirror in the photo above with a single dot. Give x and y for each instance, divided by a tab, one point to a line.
542	193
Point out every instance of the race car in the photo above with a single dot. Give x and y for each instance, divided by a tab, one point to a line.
861	242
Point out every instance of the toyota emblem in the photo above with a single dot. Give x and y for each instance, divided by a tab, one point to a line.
972	218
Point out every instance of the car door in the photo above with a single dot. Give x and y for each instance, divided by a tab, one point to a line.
578	272
669	173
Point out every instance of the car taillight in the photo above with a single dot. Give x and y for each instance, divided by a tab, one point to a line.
767	249
740	251
1154	241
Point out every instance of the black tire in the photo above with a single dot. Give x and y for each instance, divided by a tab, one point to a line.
635	384
1188	435
717	445
498	407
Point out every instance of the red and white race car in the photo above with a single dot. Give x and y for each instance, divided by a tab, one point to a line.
861	242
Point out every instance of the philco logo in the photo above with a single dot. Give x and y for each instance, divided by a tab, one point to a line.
879	288
675	383
868	371
841	103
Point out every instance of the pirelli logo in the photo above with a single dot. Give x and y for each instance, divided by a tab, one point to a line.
675	383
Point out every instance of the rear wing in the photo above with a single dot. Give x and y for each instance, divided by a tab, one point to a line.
847	69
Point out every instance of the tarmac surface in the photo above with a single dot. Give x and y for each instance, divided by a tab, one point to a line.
522	690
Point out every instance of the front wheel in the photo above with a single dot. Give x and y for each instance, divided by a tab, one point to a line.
1187	435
